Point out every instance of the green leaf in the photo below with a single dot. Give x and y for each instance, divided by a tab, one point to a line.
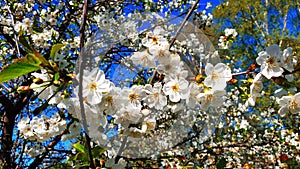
79	147
20	67
56	76
32	59
81	156
54	50
221	163
85	164
97	151
41	58
25	44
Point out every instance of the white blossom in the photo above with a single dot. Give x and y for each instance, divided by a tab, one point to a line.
143	58
176	89
270	61
210	98
217	76
154	96
288	60
289	104
255	89
94	85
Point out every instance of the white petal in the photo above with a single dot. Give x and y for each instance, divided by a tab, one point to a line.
209	68
274	50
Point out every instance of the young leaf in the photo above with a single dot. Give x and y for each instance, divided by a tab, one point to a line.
20	67
40	58
54	50
25	44
81	156
79	147
97	151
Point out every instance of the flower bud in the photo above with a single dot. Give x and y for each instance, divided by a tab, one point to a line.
38	81
199	78
23	88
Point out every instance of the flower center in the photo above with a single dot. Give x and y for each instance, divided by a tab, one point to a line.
214	76
145	58
154	40
133	96
92	86
209	97
28	129
175	88
109	100
293	105
155	95
271	61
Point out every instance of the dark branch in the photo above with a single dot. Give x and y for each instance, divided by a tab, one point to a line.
183	23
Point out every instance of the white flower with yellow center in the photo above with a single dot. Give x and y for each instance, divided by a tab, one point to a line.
176	89
94	85
210	98
217	76
132	95
288	60
155	38
255	89
128	114
172	65
289	104
270	61
109	104
143	58
154	97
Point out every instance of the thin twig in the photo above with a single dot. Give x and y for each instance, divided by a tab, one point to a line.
15	36
152	77
266	15
183	23
284	28
121	150
243	73
81	65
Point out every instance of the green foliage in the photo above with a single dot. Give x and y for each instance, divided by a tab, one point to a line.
55	49
97	151
81	157
28	48
221	163
20	67
79	147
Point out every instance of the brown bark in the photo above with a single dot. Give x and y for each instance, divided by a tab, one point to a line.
7	129
11	110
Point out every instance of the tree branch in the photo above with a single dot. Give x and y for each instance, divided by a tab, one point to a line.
82	61
50	146
183	23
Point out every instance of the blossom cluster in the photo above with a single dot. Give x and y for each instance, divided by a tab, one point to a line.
226	40
273	63
136	109
42	128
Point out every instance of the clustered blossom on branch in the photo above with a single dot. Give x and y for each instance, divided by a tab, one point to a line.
226	40
41	129
273	61
289	104
135	110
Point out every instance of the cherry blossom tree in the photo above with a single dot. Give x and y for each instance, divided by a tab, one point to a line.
149	84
